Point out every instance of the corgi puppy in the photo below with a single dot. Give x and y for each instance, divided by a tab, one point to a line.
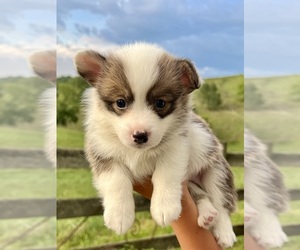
139	122
265	194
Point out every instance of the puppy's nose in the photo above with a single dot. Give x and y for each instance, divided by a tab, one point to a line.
140	137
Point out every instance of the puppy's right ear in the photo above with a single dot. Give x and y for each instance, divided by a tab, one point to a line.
90	65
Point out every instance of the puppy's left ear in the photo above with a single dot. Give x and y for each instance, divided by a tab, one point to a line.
189	77
90	65
43	64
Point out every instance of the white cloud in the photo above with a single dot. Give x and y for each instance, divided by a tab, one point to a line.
207	72
65	54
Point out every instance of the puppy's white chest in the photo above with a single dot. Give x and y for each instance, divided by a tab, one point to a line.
141	166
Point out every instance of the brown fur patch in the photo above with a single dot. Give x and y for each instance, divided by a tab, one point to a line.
167	87
114	85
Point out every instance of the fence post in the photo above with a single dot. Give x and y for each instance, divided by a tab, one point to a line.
269	148
225	149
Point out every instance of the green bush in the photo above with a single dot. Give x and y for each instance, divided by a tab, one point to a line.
210	96
69	92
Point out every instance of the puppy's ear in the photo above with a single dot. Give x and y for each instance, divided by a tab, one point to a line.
44	64
90	65
189	77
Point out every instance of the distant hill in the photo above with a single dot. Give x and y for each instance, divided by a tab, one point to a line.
277	118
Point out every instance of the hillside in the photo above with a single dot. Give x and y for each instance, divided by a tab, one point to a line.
277	118
228	120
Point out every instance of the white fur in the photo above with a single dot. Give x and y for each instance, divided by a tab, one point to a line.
48	103
44	64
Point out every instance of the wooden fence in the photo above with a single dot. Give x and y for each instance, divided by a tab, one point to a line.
91	207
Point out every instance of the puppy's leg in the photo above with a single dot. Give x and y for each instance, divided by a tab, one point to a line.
207	212
167	189
115	186
266	229
249	213
217	181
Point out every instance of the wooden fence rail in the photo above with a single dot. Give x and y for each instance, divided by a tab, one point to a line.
72	208
74	158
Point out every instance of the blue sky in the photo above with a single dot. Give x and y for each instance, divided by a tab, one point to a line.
218	35
272	37
210	33
26	26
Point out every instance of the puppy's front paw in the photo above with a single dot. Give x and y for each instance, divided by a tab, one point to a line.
164	211
207	214
270	238
224	236
119	218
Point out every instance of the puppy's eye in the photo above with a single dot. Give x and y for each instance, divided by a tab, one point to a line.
160	104
121	104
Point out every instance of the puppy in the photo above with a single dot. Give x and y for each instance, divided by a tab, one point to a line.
265	194
43	64
139	122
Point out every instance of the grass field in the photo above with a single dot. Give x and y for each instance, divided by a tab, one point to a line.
277	122
27	183
145	226
69	138
21	137
277	119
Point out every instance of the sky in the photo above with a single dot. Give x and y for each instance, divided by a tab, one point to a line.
219	36
271	37
26	26
210	33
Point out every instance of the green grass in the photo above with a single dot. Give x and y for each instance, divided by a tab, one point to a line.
41	237
75	183
293	244
279	127
27	183
238	174
17	137
69	138
94	225
277	91
227	125
291	176
278	119
228	88
292	215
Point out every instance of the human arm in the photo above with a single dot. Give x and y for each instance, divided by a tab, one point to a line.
190	236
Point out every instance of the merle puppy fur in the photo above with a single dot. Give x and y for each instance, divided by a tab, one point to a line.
139	122
265	194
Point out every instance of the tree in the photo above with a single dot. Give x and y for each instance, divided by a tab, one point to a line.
240	92
210	96
19	102
69	92
253	99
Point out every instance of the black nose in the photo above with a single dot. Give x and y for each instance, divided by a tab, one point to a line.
140	137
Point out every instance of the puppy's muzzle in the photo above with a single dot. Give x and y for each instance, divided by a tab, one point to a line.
140	137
